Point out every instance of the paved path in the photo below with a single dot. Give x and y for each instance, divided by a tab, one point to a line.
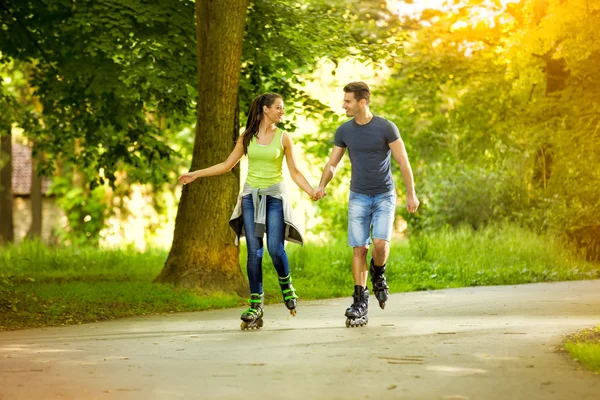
473	343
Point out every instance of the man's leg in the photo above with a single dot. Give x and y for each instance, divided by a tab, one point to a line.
359	265
383	222
359	229
381	251
359	226
356	314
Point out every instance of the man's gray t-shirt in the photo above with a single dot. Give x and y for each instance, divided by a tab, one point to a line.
368	148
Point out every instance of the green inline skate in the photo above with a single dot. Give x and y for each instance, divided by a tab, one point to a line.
252	317
289	293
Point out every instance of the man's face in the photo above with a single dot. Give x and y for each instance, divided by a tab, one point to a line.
275	112
352	106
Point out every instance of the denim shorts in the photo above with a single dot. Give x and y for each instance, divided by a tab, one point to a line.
370	212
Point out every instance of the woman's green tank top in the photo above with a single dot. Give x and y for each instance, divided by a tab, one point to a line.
264	162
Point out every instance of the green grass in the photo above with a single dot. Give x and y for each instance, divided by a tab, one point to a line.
42	286
56	264
585	348
447	259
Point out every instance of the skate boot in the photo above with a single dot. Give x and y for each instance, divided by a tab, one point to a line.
356	314
252	317
380	287
289	293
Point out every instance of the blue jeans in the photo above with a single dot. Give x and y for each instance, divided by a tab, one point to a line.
370	212
275	238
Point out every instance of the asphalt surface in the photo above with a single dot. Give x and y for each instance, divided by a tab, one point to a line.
496	342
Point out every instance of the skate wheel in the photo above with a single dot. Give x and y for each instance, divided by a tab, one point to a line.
259	324
347	322
382	304
244	325
293	312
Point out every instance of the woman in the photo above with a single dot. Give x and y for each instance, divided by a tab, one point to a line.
263	204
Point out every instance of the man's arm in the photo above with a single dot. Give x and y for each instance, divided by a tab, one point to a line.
399	153
336	155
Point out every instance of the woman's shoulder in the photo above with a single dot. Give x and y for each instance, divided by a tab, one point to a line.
283	135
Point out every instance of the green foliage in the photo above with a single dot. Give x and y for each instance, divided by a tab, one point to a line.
498	104
86	211
100	72
12	110
7	103
116	81
284	41
500	116
455	195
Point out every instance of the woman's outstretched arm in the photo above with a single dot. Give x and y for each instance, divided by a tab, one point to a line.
217	169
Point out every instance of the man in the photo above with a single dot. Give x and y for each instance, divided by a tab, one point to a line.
370	141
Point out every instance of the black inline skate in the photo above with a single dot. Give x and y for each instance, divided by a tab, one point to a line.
252	317
356	314
289	293
380	287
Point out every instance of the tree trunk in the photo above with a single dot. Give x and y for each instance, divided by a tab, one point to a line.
6	197
35	231
203	254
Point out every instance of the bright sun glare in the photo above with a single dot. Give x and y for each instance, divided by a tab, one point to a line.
487	10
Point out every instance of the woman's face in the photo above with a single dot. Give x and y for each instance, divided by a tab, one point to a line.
275	112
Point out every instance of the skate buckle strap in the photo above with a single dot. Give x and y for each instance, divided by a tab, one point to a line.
251	311
287	281
288	297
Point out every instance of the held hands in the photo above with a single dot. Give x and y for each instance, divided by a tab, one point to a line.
412	203
187	178
318	194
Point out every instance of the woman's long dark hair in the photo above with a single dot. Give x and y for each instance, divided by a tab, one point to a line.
255	116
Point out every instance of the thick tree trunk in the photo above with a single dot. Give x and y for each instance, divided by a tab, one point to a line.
203	254
6	197
35	231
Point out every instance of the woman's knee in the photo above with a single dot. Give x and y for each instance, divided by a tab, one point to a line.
276	249
255	248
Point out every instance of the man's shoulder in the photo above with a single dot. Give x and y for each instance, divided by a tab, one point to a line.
344	128
387	128
383	121
346	125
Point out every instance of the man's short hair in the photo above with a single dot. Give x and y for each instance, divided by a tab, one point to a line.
360	89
